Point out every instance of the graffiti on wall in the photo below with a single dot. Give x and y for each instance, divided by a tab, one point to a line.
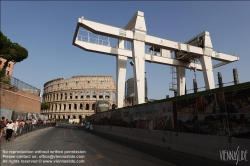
224	113
220	113
156	116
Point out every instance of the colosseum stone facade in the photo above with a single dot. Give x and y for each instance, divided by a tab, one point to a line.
75	98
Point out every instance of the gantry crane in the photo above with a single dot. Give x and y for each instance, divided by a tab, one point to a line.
200	47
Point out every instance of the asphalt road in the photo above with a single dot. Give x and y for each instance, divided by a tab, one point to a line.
63	143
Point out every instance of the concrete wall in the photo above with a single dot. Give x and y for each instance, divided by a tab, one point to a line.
206	146
18	100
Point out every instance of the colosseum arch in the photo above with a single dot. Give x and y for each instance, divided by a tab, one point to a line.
107	95
82	95
87	106
77	95
100	95
88	95
81	106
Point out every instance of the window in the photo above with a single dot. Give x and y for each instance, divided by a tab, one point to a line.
101	82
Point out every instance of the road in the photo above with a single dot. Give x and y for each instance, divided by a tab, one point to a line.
93	149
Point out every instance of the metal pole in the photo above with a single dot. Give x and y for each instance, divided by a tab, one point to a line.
195	85
236	79
220	80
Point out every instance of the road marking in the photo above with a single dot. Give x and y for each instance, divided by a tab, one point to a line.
98	153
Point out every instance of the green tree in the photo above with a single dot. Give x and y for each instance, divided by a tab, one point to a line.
44	106
11	52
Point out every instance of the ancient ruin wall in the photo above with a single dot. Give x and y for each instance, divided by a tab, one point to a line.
75	97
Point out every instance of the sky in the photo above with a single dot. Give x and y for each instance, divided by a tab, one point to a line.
46	30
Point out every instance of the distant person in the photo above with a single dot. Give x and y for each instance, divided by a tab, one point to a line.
16	124
44	122
7	121
33	122
10	128
87	125
27	123
2	126
21	125
91	126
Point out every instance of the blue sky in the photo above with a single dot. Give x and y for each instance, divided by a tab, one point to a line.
46	30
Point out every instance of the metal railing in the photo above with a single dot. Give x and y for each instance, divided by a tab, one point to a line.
84	35
27	128
24	86
86	38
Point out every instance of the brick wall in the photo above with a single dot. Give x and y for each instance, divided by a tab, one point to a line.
15	99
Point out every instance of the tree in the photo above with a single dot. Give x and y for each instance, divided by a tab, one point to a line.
44	106
10	52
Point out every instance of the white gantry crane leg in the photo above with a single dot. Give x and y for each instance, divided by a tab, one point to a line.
207	67
121	67
206	62
138	56
139	70
181	80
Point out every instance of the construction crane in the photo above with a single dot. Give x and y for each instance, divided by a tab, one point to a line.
200	47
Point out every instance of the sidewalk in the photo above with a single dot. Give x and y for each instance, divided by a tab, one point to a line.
3	139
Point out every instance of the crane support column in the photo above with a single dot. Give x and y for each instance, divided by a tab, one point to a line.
139	70
181	80
138	56
207	68
121	67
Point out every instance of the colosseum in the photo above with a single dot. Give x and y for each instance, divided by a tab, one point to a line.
74	98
